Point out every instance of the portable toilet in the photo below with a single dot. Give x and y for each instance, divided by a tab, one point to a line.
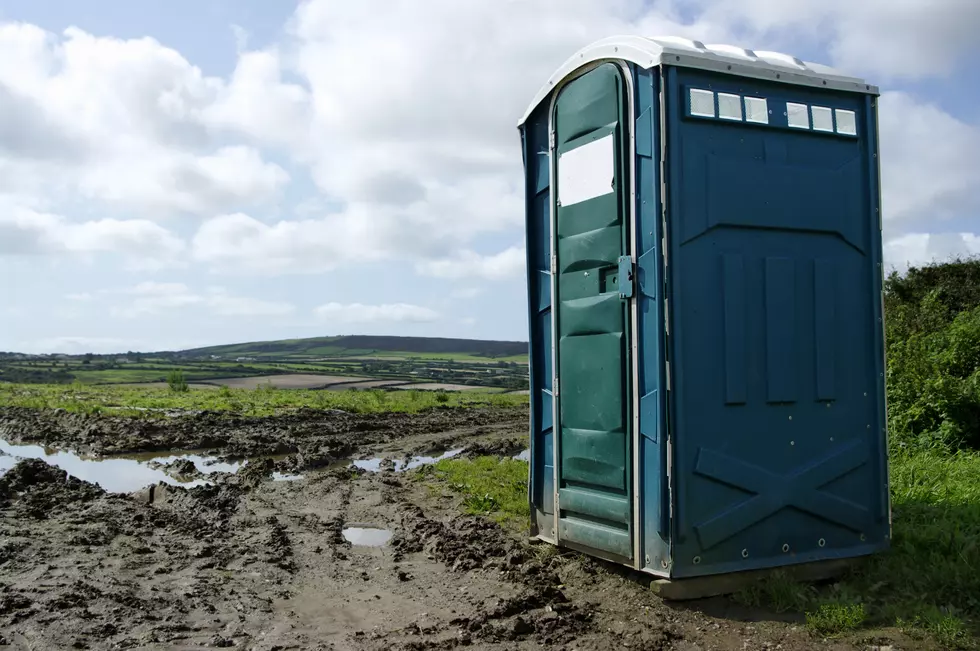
705	316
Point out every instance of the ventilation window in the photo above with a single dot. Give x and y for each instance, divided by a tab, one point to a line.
702	103
846	122
797	115
756	110
823	118
730	106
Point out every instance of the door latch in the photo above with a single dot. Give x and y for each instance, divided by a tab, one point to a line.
625	277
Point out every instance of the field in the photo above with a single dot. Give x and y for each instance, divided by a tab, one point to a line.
297	518
316	363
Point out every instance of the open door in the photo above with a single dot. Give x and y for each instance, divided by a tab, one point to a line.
593	290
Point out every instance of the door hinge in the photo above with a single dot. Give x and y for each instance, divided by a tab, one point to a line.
554	264
554	391
626	276
551	140
667	364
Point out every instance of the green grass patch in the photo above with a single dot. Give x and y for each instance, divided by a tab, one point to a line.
835	618
262	401
928	583
491	486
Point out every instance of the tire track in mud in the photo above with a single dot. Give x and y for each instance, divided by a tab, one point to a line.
317	437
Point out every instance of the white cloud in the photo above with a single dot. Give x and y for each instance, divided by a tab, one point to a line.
128	123
174	182
80	297
152	298
143	243
359	313
257	103
465	293
238	243
891	38
929	163
414	165
917	249
509	263
70	345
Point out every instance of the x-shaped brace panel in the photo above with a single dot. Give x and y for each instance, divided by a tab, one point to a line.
774	492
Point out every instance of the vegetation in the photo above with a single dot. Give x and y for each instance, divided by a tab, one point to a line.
501	365
176	381
262	401
425	347
488	485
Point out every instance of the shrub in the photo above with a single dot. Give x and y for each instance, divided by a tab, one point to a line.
176	381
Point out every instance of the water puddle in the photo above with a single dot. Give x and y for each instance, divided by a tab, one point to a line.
374	465
123	474
367	536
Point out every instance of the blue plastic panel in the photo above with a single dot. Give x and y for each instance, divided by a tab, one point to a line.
654	507
775	347
538	234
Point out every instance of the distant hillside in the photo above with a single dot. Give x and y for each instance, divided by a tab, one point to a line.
365	345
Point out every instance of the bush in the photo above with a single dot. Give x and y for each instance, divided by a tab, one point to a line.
176	381
933	339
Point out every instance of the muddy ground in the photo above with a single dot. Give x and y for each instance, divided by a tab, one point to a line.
255	564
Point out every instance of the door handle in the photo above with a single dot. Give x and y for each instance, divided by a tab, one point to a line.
625	277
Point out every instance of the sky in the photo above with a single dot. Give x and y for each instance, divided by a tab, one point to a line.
184	173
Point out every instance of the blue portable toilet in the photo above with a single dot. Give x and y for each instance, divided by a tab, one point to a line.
705	316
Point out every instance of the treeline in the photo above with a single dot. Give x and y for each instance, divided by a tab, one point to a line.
933	350
20	375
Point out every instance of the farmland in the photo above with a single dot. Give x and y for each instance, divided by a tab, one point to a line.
323	514
316	363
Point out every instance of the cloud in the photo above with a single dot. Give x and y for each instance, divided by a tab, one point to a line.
466	293
929	163
130	124
893	39
143	243
509	263
239	243
917	249
359	313
78	345
153	298
417	168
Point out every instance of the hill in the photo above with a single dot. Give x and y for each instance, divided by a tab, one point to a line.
364	346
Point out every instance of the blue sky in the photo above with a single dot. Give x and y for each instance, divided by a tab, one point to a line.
176	174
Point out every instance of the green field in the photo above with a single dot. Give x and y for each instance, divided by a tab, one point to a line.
500	365
263	401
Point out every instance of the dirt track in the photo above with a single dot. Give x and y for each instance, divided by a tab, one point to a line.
255	564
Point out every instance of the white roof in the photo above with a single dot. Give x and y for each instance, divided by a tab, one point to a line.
649	52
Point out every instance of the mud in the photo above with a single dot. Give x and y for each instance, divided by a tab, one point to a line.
251	563
318	437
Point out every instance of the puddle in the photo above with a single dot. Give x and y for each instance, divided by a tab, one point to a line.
122	474
367	536
374	465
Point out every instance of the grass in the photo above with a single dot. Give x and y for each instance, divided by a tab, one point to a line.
262	401
928	583
491	486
